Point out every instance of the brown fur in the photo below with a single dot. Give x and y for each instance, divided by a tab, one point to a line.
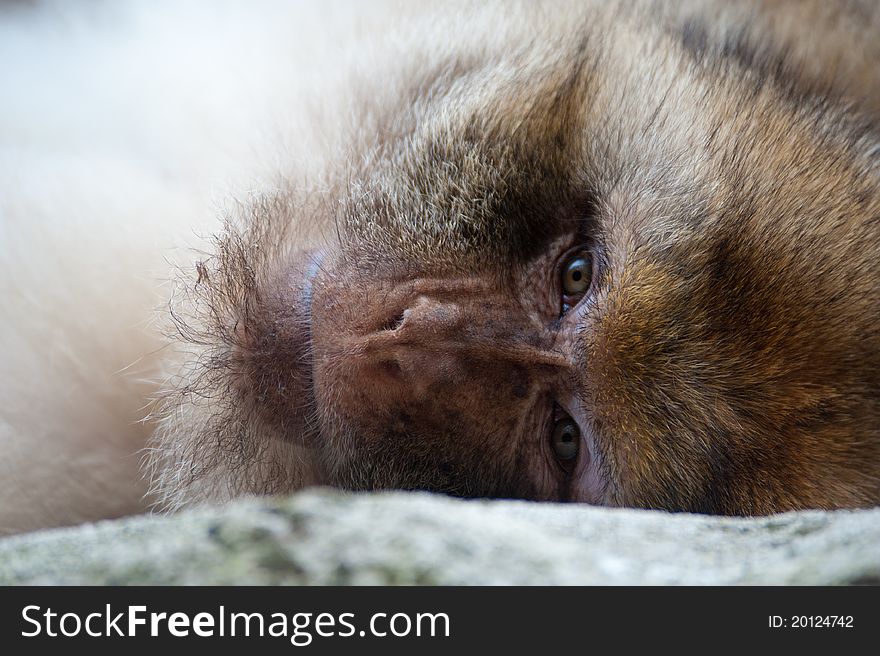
722	163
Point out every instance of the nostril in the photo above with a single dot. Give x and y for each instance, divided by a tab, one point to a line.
394	322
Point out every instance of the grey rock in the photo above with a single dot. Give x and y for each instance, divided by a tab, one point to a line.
329	537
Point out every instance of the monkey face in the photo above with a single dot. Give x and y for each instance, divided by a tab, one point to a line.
427	388
599	276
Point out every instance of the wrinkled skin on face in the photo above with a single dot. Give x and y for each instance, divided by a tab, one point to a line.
719	352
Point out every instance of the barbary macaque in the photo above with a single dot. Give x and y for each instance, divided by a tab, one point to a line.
624	254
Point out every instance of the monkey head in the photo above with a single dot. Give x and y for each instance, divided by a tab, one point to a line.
575	272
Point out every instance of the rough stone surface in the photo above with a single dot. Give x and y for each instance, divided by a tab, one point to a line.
327	537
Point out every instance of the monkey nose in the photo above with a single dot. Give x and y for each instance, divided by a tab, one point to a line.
418	373
432	341
421	346
420	368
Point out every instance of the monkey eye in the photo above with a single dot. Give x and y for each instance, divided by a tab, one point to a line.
577	277
566	439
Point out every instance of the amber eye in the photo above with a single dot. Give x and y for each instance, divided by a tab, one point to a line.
566	439
577	276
